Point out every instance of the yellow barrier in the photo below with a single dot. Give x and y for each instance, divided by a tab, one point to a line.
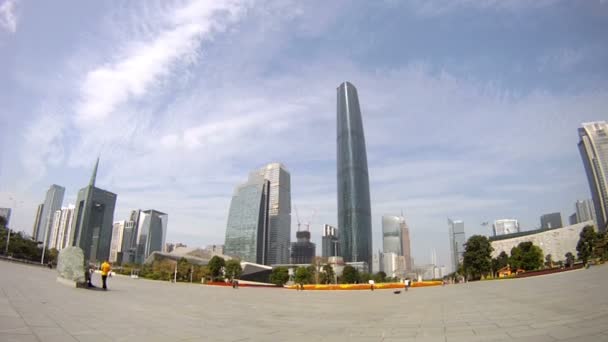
380	286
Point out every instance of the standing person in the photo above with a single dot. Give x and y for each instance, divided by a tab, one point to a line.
105	270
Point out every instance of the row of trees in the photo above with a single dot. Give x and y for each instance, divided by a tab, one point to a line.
21	247
325	274
478	261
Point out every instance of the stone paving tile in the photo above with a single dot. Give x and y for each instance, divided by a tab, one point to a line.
18	338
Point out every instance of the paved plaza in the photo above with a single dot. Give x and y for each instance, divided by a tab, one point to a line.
571	306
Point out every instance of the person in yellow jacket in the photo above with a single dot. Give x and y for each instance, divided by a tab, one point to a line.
105	270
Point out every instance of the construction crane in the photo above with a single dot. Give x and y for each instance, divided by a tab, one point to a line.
297	216
312	217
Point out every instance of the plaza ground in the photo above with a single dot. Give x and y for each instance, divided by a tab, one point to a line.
570	306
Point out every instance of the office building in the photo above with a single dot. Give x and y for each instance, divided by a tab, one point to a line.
62	224
593	147
247	227
396	238
37	220
6	213
151	233
457	241
330	242
116	242
585	211
354	210
302	251
93	221
405	243
556	242
279	212
52	203
573	219
505	226
551	221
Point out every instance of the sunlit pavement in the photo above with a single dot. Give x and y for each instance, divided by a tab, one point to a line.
571	306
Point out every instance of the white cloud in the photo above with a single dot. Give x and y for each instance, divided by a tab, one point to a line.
441	7
8	16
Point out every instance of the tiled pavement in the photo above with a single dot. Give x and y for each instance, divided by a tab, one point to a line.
571	306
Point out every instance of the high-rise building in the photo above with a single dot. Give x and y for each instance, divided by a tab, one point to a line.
457	241
396	239
247	227
573	219
37	220
116	242
6	213
593	147
302	251
279	212
62	223
551	221
585	211
93	220
151	233
505	226
354	209
330	242
52	203
129	234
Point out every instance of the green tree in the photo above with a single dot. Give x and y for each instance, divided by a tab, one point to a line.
549	260
350	275
477	256
2	222
329	273
233	269
499	262
279	276
184	268
569	259
600	250
215	266
364	277
380	277
303	275
586	242
526	256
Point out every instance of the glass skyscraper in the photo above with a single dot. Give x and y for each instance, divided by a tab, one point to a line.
354	210
259	221
52	203
151	233
247	227
457	241
593	147
93	221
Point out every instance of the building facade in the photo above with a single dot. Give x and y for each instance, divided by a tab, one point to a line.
52	203
151	233
585	211
457	241
37	221
396	239
573	219
279	212
93	221
116	242
247	227
302	251
593	147
354	209
330	242
551	221
556	242
62	225
505	226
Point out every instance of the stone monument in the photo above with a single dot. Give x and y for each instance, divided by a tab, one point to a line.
70	267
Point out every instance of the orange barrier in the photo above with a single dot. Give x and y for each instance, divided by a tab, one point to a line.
380	286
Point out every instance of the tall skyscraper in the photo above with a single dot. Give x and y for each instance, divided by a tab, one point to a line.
551	221
330	242
93	221
52	203
247	227
62	224
151	233
593	147
354	209
505	226
396	239
457	241
302	251
116	242
37	221
279	212
129	235
585	210
573	219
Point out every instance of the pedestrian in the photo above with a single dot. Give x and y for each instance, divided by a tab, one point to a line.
105	270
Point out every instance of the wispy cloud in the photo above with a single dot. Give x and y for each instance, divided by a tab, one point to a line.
441	7
8	15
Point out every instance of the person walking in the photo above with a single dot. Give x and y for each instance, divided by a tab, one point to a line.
105	270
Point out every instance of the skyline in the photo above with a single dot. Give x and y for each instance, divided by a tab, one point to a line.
480	127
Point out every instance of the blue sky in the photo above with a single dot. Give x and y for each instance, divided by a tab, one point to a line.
470	107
